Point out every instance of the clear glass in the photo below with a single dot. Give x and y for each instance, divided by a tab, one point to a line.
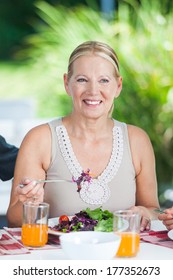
126	223
35	224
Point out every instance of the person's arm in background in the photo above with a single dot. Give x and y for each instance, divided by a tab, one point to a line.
167	218
8	155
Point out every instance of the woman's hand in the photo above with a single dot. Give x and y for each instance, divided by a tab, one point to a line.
167	218
30	191
145	217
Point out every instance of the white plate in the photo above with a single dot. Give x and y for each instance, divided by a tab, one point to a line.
55	232
54	222
157	225
170	234
0	235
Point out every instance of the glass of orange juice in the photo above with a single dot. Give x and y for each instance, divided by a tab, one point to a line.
126	223
35	224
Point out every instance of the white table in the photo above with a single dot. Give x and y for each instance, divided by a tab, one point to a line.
147	251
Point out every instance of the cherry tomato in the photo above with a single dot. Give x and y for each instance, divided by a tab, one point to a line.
63	218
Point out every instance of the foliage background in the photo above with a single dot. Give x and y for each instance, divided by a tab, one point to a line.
140	32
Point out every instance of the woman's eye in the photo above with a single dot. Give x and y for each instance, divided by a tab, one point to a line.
81	80
104	81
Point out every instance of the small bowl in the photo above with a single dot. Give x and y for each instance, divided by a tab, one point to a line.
90	245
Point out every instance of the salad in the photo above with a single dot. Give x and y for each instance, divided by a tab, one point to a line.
86	220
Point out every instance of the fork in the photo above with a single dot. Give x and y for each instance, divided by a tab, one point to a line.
48	181
159	211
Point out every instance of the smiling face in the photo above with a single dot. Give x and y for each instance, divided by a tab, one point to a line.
93	85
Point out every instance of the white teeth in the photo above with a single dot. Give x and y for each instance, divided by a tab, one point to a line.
92	102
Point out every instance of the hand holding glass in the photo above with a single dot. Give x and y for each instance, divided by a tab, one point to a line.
35	224
127	224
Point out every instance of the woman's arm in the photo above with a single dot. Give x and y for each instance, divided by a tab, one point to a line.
146	182
32	162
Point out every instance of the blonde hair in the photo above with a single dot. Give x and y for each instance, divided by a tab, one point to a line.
94	47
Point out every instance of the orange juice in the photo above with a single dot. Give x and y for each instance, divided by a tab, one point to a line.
35	235
129	245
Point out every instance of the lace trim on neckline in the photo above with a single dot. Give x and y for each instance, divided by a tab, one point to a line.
97	192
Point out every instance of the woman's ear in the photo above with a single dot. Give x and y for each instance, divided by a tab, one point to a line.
66	83
119	87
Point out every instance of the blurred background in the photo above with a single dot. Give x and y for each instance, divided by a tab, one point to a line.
36	39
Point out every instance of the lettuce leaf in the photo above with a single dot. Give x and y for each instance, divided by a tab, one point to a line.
104	225
104	218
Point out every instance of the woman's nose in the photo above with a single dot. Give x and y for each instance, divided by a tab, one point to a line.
93	88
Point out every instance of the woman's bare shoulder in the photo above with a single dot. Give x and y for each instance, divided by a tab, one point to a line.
141	148
36	145
137	134
38	134
38	130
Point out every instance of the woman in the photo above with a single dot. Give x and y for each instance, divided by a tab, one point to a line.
117	159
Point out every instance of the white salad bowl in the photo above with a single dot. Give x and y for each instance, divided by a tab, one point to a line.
90	245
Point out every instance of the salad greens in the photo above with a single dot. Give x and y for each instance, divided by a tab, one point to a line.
104	218
88	220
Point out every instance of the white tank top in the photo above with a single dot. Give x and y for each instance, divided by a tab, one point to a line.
114	189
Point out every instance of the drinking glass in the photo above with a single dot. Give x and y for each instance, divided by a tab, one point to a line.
126	223
35	224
